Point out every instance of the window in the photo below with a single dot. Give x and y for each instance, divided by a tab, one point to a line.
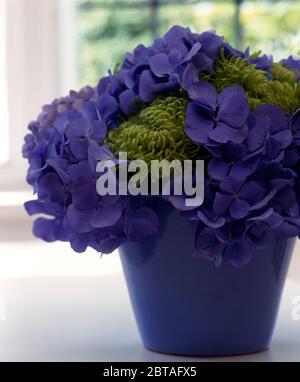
272	26
109	28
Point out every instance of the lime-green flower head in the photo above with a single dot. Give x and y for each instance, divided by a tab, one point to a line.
278	87
156	133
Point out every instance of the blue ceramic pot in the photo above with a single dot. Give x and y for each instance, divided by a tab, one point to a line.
188	306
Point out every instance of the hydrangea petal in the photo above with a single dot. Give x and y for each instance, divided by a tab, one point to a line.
223	133
234	108
197	126
237	253
106	216
204	93
218	168
160	65
239	208
216	222
221	202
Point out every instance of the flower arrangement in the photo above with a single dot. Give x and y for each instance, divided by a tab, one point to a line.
187	96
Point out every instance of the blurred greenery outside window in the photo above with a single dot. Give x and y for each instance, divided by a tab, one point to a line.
110	28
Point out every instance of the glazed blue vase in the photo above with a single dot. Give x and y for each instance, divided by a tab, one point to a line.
188	306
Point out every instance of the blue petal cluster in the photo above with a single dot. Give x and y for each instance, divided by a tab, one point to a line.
63	150
252	183
172	62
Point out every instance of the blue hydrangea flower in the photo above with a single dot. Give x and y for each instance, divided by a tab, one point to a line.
213	119
62	151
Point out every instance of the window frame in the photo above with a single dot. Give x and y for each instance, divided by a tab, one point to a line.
40	66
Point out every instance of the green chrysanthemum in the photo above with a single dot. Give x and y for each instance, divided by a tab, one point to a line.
282	90
156	133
